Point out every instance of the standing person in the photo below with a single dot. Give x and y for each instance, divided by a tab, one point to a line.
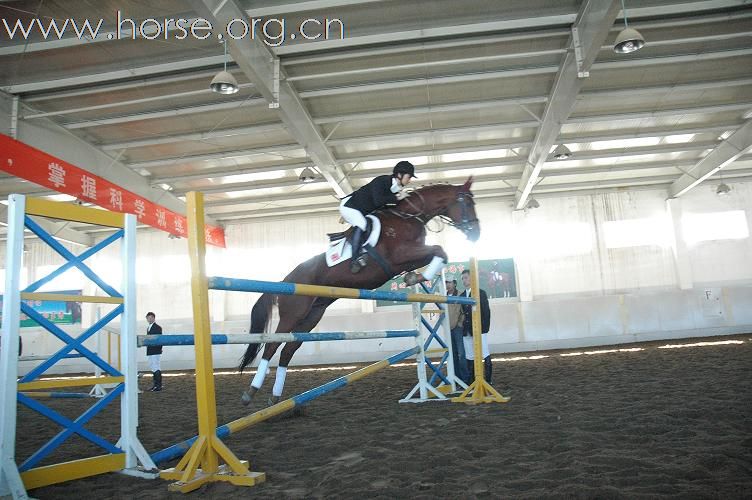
381	191
154	353
485	322
456	322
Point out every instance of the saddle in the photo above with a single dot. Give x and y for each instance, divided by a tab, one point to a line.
335	237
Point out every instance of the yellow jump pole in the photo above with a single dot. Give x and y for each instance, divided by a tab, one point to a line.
479	391
208	449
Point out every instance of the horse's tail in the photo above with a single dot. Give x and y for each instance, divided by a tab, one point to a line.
261	316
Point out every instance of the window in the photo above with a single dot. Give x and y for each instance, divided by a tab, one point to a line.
730	225
550	240
638	232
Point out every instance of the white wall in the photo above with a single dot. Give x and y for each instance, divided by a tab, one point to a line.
575	291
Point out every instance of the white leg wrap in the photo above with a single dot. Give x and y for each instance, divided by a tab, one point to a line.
434	267
258	379
279	381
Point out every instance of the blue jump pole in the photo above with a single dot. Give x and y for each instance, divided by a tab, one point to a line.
254	338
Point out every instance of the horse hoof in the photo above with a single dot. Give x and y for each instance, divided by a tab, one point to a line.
246	398
273	400
411	278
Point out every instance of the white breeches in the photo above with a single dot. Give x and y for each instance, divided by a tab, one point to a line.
352	216
154	362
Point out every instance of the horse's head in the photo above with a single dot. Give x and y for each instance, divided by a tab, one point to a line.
462	211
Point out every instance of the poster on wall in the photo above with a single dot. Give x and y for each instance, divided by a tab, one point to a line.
58	312
497	278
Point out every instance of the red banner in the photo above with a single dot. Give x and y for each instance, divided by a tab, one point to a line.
29	163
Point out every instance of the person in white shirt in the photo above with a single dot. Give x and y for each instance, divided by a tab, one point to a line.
485	322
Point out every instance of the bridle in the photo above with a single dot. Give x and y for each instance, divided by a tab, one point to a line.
466	224
464	200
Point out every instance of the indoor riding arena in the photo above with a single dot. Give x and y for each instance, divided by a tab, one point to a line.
376	249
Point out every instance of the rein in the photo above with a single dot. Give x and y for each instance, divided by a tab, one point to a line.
464	199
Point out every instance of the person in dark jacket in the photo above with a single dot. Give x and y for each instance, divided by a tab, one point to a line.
467	328
381	191
154	353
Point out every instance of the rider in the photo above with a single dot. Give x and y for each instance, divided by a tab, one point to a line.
383	190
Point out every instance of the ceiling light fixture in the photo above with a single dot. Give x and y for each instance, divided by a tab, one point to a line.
629	39
532	203
562	152
723	189
224	82
307	175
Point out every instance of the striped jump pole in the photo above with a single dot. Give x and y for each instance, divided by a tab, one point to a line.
244	422
284	288
57	395
261	338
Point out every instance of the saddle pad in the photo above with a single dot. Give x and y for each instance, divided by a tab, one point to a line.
341	251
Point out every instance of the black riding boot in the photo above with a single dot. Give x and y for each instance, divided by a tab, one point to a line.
157	381
357	238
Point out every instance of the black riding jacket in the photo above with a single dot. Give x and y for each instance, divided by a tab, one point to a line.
154	349
373	195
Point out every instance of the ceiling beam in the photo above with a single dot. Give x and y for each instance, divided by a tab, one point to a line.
514	72
725	153
258	63
547	191
453	31
589	32
143	83
414	134
222	155
193	136
166	113
129	102
437	108
246	186
215	173
511	101
389	155
91	78
294	195
418	37
641	115
551	170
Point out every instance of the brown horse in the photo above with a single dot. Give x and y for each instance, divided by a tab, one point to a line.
401	245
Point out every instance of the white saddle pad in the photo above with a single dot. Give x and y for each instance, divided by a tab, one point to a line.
341	250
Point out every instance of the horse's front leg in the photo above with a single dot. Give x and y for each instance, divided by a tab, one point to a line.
415	257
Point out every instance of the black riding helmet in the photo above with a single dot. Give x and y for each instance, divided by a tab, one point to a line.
404	167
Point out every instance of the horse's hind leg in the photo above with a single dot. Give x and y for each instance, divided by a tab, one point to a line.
305	325
290	316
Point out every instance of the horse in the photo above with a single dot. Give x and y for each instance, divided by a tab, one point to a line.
402	247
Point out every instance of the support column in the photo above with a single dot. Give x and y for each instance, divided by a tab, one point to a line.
10	479
679	246
134	451
521	258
